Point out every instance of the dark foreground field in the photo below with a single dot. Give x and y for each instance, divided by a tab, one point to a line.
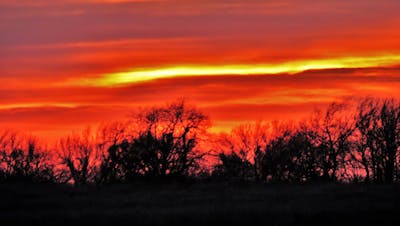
201	204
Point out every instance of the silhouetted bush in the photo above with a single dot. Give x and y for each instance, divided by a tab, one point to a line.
232	166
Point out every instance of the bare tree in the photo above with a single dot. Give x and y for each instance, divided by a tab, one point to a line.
159	142
389	116
377	140
78	155
245	142
109	137
330	132
22	159
364	150
171	134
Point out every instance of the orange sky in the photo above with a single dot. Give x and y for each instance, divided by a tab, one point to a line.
62	62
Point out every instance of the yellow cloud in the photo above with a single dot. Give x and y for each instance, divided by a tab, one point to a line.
36	105
147	74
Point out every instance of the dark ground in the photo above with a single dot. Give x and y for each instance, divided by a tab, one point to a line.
200	204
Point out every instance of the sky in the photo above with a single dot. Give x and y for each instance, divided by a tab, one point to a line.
71	63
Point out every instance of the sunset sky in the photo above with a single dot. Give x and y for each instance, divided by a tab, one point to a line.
70	63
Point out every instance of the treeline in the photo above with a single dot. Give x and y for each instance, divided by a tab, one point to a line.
347	142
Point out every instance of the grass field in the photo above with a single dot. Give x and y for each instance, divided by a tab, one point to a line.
200	204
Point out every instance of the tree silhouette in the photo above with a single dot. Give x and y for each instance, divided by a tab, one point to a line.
109	137
330	132
78	155
291	157
389	117
233	166
355	141
163	144
22	159
241	150
364	150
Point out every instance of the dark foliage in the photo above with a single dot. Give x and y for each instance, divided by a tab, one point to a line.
341	144
165	145
23	161
345	143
